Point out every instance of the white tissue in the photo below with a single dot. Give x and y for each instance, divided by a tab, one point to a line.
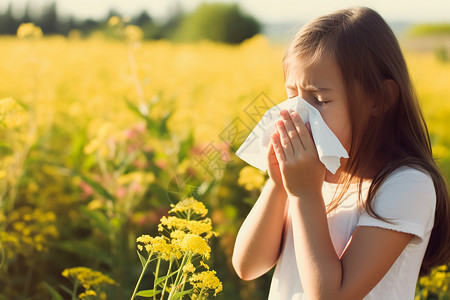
255	147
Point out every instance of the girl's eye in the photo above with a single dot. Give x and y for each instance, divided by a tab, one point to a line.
318	102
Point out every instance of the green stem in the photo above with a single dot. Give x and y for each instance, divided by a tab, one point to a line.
184	282
165	281
74	292
180	270
200	294
141	276
156	277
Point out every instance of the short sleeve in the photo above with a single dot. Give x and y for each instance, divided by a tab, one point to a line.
407	199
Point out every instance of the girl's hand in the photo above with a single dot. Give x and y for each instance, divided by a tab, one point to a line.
273	168
301	171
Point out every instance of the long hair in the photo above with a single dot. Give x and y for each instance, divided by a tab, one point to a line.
367	53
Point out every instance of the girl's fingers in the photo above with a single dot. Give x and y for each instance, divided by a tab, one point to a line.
292	131
284	138
303	133
277	147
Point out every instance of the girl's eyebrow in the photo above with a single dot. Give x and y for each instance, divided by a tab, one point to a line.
309	87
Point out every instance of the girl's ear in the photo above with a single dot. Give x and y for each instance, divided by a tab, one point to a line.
391	95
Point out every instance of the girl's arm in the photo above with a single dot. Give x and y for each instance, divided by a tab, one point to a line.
370	254
371	251
259	240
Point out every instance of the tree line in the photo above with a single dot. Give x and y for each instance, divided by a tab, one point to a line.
206	22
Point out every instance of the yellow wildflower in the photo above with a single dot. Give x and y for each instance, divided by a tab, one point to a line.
204	265
29	30
87	293
189	268
133	33
142	178
114	20
33	229
90	279
189	204
145	239
195	244
177	234
250	178
192	226
206	280
11	113
158	245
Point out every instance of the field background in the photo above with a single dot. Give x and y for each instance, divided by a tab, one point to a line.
104	135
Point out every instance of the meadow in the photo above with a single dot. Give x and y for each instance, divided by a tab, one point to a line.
99	137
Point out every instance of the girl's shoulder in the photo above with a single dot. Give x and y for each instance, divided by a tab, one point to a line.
406	201
409	176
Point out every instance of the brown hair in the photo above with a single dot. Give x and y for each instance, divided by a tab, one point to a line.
367	53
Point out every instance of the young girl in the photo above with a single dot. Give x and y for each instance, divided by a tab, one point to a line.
369	230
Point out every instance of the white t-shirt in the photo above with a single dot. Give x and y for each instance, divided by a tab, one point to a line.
407	198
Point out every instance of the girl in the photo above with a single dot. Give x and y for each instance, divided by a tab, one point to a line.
369	230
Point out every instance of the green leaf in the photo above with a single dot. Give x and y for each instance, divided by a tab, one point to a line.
53	292
5	149
152	125
99	219
180	294
186	146
148	293
66	289
142	259
161	279
163	130
77	149
86	249
96	186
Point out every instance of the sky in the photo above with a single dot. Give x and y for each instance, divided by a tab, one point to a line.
270	11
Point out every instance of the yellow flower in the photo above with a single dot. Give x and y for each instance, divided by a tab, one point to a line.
158	245
87	293
145	239
189	204
195	244
189	268
206	280
90	279
251	178
141	178
12	114
29	30
195	227
114	20
133	33
177	234
204	265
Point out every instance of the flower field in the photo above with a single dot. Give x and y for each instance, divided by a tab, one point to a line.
99	137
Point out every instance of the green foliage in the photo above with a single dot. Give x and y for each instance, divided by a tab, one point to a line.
218	22
429	29
441	54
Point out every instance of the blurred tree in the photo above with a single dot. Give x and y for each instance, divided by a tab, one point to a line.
168	29
88	26
26	18
145	22
142	19
8	24
48	20
218	22
65	26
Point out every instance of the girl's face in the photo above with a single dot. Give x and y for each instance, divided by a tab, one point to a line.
321	84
